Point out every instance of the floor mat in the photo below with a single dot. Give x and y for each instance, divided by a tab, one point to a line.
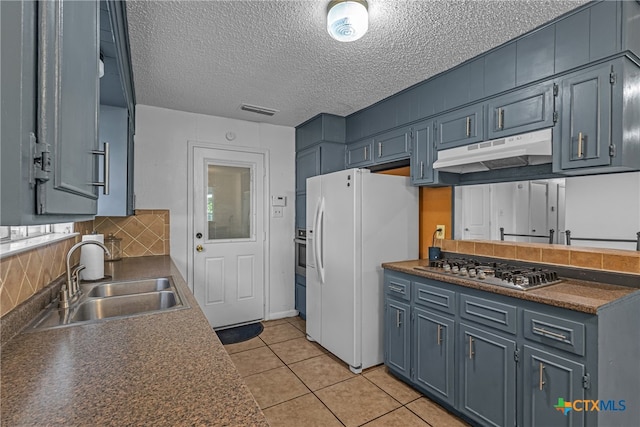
240	333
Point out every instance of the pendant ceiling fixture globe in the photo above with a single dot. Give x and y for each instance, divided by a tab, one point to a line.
347	20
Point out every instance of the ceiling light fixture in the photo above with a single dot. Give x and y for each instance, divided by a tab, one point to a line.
347	20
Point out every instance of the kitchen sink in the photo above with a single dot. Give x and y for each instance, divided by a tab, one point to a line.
101	308
113	300
128	288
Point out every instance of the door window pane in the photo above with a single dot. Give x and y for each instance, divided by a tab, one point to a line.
229	202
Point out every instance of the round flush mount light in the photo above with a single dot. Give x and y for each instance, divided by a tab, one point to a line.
347	20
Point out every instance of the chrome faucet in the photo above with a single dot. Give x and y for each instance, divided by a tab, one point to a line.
71	291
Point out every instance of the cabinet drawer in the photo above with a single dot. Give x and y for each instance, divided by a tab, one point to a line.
554	331
397	287
495	314
434	297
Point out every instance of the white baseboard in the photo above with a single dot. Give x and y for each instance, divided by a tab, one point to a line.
281	315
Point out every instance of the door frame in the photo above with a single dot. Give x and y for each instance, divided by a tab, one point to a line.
191	146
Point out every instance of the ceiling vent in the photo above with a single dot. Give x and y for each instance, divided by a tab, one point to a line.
259	110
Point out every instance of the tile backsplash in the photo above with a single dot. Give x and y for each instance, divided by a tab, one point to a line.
592	258
23	275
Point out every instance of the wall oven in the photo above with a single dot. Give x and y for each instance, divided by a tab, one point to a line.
301	251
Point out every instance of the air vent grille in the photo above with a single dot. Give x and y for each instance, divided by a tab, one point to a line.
259	110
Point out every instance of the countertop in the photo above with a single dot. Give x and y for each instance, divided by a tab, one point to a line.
157	369
577	295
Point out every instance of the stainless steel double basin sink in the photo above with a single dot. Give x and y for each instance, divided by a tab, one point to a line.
109	300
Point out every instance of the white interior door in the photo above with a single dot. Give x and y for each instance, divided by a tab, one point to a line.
229	235
476	213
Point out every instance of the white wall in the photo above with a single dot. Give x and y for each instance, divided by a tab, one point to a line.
161	172
604	206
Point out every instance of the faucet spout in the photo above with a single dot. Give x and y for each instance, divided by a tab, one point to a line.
73	287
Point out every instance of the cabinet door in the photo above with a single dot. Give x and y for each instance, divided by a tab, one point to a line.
500	69
422	155
433	338
301	210
487	388
360	154
307	165
522	111
460	127
547	379
586	119
68	90
392	145
397	355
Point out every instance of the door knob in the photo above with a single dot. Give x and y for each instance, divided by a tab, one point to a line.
199	248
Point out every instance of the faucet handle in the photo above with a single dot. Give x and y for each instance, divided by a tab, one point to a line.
74	286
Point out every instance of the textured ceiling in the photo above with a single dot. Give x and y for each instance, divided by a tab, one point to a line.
210	56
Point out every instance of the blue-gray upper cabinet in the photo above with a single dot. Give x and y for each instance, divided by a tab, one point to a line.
392	145
423	154
521	111
590	34
598	120
320	159
460	127
50	88
321	128
500	69
535	55
586	118
360	154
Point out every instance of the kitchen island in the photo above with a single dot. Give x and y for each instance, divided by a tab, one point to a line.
166	368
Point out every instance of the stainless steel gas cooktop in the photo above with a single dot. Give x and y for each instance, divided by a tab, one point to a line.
495	273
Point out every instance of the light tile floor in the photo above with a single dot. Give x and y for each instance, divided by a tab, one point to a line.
298	383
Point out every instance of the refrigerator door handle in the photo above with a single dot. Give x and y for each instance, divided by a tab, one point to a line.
320	241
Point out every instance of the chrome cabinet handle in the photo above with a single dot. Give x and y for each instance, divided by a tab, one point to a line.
550	334
398	321
421	169
106	166
396	289
500	118
439	336
468	129
580	143
379	149
365	152
541	382
471	353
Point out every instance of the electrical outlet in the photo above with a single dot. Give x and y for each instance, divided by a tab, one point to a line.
276	211
440	234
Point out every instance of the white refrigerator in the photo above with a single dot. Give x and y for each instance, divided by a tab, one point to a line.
356	220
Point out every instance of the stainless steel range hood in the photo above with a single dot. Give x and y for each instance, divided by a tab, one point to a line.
532	148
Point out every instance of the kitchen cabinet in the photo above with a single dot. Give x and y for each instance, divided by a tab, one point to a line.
505	361
301	295
460	127
50	127
393	145
359	154
535	55
500	69
423	154
598	113
487	385
546	378
521	111
114	130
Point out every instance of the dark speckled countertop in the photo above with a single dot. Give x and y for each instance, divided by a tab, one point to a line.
571	294
157	369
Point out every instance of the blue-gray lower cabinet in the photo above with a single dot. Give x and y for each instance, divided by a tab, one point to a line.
397	340
434	340
548	377
301	295
487	380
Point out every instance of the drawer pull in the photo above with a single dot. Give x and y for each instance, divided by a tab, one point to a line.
396	289
500	118
580	154
398	319
379	149
550	334
471	353
439	337
541	382
421	169
468	127
366	154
